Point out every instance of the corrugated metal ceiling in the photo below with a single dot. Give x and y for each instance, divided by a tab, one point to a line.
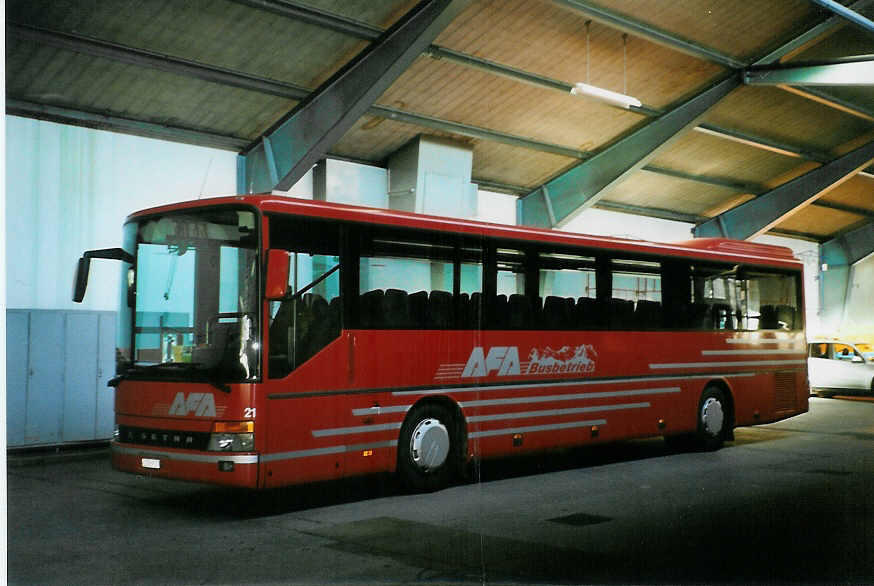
221	72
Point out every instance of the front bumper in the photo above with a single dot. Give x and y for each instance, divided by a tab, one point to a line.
228	469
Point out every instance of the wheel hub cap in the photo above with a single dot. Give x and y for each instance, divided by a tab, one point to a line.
712	416
429	445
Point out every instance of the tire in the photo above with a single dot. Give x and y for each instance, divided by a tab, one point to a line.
429	448
714	419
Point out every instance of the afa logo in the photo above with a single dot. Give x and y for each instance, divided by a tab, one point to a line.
503	359
199	404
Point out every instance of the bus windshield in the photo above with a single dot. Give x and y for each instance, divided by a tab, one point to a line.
190	306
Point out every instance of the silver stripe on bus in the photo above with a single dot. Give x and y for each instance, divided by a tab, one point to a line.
183	457
724	364
761	341
326	451
574	397
380	410
558	384
357	429
763	352
534	428
555	412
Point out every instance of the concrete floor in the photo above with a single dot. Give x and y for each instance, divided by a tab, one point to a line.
789	502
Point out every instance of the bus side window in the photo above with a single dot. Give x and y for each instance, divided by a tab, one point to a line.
714	298
769	301
567	286
417	281
511	306
636	296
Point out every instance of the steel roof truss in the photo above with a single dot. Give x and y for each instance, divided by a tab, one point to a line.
758	215
306	134
584	184
858	71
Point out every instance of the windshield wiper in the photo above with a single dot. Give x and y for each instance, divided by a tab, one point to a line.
169	366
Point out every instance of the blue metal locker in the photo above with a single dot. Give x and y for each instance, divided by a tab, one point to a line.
80	390
45	386
17	336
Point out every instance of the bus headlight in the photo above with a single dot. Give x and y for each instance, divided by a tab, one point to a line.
232	436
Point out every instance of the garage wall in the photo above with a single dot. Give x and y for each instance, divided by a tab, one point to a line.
858	319
68	189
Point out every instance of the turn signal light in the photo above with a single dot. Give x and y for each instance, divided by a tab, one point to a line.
233	427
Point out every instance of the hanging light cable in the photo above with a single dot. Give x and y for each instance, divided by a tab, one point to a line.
613	98
624	61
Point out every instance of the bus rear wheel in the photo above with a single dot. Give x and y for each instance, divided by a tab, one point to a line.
713	419
428	448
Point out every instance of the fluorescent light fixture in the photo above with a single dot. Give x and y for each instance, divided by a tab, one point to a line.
612	98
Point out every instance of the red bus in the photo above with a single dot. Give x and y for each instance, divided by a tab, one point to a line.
268	341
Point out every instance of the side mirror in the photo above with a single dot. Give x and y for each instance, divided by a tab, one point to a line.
84	266
80	282
276	286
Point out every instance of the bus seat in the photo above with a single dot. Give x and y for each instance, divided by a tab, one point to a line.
588	313
473	317
555	313
519	311
318	333
439	310
370	306
396	311
621	313
648	314
418	303
335	313
768	319
500	315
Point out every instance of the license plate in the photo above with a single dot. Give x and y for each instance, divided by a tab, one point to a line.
151	463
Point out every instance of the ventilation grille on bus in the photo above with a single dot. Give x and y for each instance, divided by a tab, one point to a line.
190	440
785	392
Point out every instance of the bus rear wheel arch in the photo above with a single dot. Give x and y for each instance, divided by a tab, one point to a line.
431	446
714	418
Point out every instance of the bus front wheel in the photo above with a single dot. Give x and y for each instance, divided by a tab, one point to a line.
428	448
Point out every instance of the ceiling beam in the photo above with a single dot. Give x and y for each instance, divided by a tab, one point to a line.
317	17
827	99
854	71
307	133
762	213
101	121
153	60
847	13
652	33
584	184
809	36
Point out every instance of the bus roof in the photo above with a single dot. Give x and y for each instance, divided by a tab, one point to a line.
703	248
